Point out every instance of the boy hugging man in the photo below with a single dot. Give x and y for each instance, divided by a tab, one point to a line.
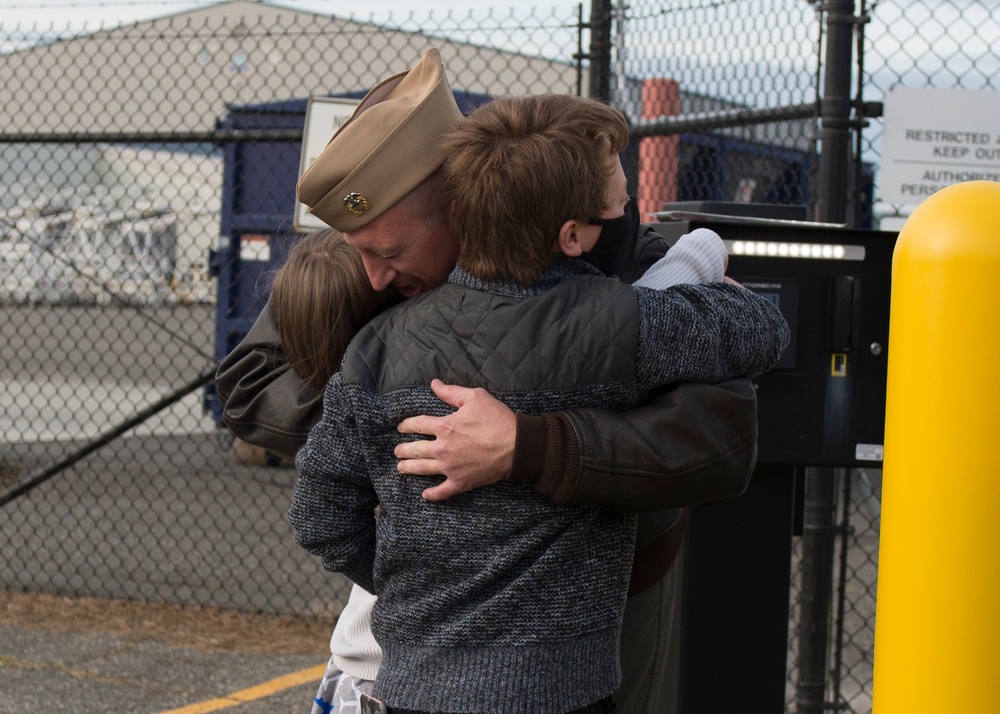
496	599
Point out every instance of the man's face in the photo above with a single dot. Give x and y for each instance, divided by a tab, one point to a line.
409	252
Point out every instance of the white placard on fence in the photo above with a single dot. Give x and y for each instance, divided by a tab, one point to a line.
324	115
934	138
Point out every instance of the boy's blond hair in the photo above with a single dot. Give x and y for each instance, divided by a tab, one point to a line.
518	168
321	297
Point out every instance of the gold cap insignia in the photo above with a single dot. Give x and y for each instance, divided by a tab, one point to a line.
357	203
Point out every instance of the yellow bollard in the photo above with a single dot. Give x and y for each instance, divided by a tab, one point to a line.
937	622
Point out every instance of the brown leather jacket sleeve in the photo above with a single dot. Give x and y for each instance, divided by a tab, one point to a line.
688	444
264	401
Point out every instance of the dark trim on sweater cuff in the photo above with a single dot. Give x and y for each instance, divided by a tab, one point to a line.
547	454
529	446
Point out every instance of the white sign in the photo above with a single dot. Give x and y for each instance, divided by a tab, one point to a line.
324	115
869	452
934	138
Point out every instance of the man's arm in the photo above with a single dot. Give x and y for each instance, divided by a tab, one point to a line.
603	458
687	444
264	401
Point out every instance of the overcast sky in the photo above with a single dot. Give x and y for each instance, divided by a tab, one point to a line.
59	14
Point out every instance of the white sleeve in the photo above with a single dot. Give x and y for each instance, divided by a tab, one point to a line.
353	646
698	257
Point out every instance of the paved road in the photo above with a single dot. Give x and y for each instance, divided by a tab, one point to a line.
161	514
75	372
97	673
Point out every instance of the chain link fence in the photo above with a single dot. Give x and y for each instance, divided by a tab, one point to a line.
735	88
149	175
133	157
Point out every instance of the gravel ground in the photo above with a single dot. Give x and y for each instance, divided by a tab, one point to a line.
93	656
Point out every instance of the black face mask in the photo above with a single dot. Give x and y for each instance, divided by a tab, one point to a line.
616	246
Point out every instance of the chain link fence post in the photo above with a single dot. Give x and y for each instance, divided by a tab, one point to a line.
818	532
835	112
600	49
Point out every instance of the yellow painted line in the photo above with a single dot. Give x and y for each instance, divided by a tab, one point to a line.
313	674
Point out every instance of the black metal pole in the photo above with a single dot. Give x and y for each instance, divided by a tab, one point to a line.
845	531
600	49
818	532
579	56
719	119
835	113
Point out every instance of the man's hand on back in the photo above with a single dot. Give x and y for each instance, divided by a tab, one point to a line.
472	447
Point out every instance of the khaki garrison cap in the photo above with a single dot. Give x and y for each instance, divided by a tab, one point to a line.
385	150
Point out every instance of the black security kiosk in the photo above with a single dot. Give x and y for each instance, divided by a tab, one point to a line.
822	406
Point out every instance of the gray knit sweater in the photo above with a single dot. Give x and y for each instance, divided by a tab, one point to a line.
497	599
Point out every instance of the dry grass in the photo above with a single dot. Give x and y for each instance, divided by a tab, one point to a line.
202	628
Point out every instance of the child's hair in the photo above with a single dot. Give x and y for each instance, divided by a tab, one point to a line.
321	297
518	168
